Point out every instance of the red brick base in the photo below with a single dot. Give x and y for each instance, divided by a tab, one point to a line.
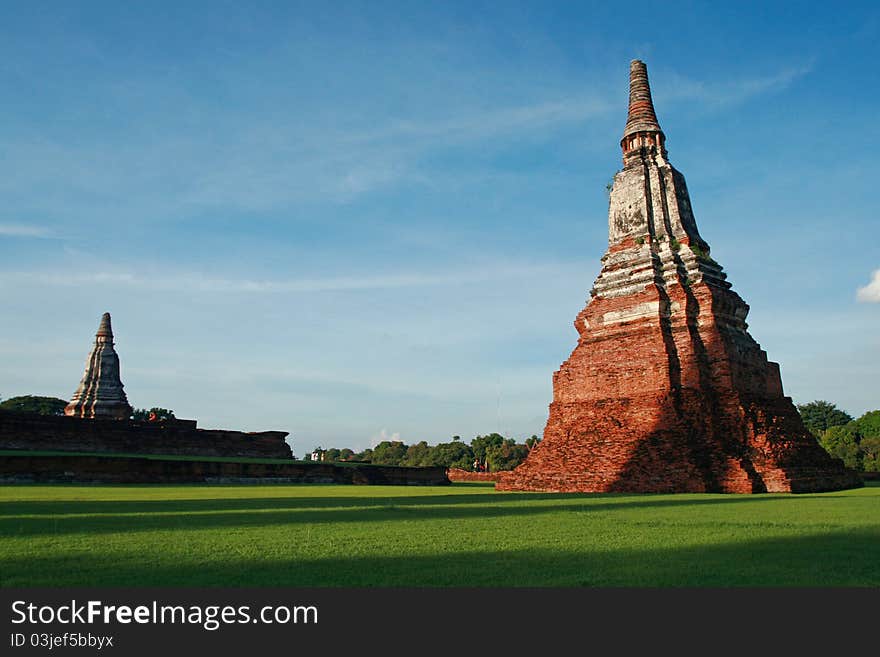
683	400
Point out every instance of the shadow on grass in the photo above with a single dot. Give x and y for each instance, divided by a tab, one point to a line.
843	558
40	518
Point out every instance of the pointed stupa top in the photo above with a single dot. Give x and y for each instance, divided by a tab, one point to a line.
105	330
641	117
100	392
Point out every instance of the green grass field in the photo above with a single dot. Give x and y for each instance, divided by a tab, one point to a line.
459	535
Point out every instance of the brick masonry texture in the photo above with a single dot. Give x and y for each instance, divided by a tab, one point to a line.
666	391
24	468
32	432
457	474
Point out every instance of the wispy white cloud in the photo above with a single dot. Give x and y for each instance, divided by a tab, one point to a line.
725	92
382	436
234	164
266	168
265	165
26	230
195	282
491	122
870	293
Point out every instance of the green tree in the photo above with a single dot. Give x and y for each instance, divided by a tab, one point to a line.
869	424
365	456
389	452
506	456
143	415
500	453
455	454
821	415
843	443
868	430
481	444
419	454
857	442
34	404
870	448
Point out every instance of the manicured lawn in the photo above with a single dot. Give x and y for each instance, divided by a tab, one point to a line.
459	535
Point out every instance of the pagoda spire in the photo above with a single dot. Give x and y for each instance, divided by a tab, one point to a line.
105	330
642	129
666	391
100	392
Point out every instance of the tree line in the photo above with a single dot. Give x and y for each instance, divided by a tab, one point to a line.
491	453
855	441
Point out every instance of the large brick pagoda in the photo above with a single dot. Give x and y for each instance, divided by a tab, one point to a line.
666	391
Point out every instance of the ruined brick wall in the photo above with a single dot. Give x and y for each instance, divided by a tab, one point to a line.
29	431
26	468
457	474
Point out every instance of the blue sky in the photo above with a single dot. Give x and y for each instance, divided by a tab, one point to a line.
353	221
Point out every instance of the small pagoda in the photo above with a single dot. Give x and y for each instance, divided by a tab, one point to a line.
100	393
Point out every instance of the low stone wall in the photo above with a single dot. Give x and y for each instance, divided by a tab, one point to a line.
33	432
28	468
457	474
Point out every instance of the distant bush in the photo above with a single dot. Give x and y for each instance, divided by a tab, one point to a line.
143	415
857	442
35	404
843	442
